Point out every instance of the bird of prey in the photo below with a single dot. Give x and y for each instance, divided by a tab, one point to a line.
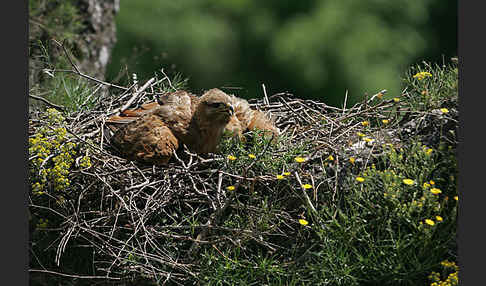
151	133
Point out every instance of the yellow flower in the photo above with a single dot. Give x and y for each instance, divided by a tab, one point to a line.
286	173
396	99
230	188
385	121
280	177
231	157
422	75
360	179
367	139
428	151
456	198
426	185
330	158
303	222
432	182
439	218
252	156
360	134
435	191
429	222
300	159
365	123
444	110
408	181
352	160
307	186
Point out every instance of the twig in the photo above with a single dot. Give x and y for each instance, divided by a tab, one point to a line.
136	94
74	276
62	108
265	97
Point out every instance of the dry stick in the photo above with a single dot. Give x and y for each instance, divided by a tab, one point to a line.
217	214
74	276
345	101
77	71
168	80
62	108
136	94
336	178
265	98
63	243
307	199
90	95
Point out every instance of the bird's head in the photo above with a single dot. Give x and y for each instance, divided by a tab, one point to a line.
216	105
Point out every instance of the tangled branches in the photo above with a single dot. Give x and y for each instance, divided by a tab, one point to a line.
118	219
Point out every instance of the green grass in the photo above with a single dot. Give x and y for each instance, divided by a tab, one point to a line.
371	233
396	226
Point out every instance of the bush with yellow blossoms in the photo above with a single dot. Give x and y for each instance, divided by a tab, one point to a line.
52	153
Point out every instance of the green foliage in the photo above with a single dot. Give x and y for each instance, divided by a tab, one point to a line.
250	150
396	226
52	19
55	18
52	152
72	92
59	20
315	49
284	212
431	86
450	273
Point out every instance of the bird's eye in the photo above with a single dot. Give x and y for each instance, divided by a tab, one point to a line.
215	104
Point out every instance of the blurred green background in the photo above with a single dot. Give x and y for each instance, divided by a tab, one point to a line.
312	48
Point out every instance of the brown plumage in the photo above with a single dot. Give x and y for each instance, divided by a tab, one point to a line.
153	132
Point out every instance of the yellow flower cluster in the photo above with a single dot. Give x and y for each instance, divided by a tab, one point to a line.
300	159
42	223
449	264
85	162
52	142
408	182
281	177
54	115
303	222
422	75
369	140
435	191
451	280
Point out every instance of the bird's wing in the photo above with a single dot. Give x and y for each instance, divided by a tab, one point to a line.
147	140
173	102
152	132
246	118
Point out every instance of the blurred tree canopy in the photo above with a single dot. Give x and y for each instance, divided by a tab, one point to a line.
313	49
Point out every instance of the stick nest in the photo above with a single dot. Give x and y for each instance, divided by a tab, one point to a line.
120	219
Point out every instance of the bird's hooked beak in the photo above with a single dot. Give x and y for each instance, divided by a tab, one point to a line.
231	109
